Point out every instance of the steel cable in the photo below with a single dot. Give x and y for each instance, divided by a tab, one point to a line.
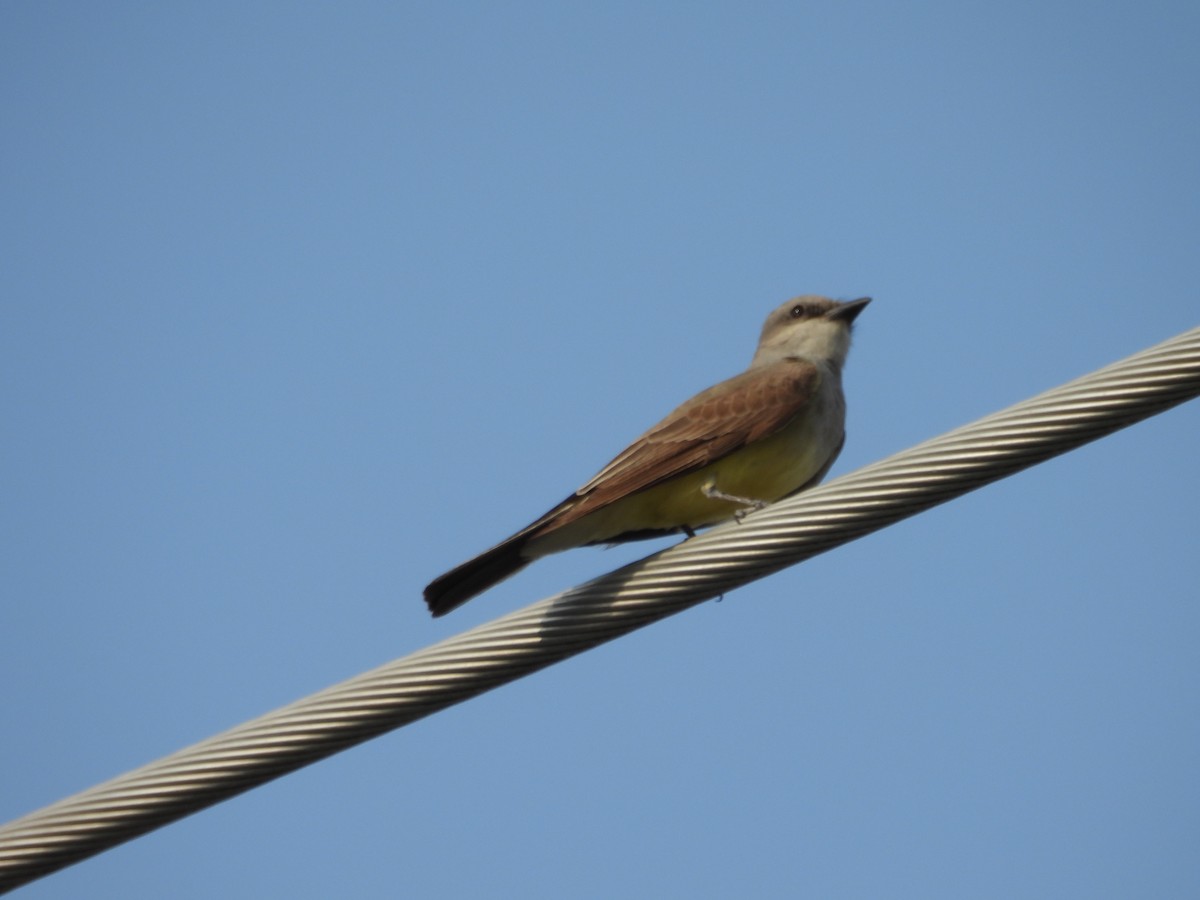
558	627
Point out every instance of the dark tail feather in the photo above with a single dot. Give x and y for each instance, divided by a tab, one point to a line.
475	576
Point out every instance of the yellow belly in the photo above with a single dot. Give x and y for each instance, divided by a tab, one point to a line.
764	471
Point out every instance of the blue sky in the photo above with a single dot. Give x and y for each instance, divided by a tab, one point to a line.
304	304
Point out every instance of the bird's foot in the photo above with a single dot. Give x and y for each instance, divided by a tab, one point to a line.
748	505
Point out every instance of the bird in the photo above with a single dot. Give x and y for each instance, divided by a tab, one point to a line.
760	436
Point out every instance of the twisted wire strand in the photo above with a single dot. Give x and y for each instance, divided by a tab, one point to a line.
560	626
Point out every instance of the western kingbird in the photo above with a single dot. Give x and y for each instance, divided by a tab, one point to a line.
771	431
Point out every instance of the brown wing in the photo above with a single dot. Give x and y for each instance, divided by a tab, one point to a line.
713	424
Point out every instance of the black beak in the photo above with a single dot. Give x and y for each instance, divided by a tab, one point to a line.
847	312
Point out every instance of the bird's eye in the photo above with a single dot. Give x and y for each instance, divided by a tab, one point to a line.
799	311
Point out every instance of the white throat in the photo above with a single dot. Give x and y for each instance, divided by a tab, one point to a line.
817	340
